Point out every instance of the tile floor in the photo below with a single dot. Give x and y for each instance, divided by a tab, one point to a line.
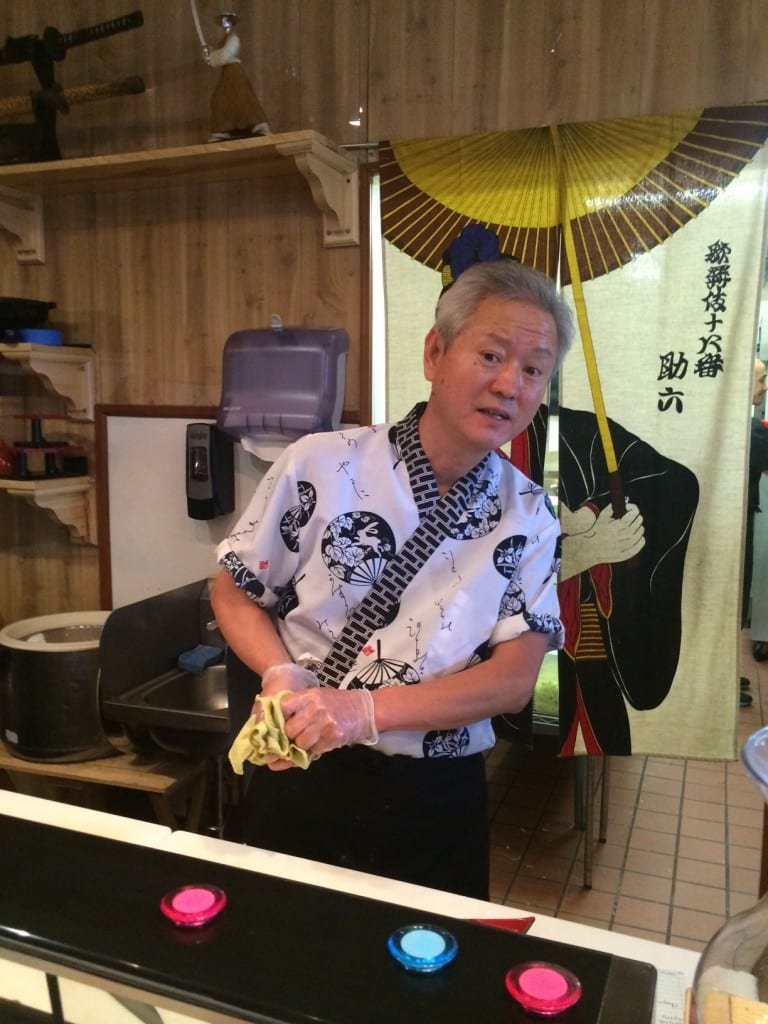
683	838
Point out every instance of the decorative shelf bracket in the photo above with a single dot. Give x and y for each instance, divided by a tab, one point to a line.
72	500
335	192
21	215
64	370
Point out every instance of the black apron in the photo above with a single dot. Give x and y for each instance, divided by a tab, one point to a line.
420	820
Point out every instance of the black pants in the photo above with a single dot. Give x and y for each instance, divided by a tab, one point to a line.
415	820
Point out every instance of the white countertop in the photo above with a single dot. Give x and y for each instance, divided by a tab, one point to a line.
675	965
83	819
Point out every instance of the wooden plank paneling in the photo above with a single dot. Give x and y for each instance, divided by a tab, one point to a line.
411	68
274	62
332	66
593	56
488	91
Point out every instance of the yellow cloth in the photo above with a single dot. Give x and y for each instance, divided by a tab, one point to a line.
264	738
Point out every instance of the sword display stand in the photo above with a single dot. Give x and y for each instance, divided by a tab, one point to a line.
28	143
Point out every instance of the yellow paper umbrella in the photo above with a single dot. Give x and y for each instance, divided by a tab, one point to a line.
632	182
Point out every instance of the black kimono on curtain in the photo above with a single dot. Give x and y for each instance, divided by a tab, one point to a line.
622	620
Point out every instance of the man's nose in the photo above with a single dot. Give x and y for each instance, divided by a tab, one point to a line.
508	379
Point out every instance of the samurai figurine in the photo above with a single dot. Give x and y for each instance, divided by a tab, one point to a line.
235	109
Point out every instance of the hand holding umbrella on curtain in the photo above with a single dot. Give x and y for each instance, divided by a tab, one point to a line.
598	537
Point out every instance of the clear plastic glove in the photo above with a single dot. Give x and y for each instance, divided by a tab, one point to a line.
324	719
277	679
287	677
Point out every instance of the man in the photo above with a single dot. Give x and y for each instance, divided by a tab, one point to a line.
400	787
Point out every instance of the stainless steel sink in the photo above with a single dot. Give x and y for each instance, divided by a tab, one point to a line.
175	700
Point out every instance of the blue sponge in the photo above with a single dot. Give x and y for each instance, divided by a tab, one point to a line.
199	658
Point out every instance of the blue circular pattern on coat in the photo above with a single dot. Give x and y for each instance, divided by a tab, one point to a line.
298	515
547	624
507	555
483	513
446	742
356	547
512	601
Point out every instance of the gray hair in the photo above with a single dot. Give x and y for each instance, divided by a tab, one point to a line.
512	281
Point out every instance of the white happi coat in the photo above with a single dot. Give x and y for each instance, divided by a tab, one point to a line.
331	512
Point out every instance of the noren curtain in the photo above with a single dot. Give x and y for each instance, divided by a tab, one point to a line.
656	229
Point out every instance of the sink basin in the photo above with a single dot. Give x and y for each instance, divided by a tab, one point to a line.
175	700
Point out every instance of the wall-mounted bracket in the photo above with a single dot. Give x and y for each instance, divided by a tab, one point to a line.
21	214
72	500
334	187
64	370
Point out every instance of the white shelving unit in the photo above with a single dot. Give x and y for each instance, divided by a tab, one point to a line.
66	371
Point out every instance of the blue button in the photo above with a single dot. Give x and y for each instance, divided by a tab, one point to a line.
422	948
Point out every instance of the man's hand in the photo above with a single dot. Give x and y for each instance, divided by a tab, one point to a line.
277	679
324	719
289	676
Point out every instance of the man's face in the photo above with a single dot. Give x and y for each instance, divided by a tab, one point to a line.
489	382
759	386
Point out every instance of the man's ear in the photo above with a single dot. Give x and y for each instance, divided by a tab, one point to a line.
433	349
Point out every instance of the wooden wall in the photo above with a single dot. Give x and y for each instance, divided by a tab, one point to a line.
157	280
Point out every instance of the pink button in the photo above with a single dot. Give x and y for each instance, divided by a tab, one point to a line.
193	905
543	989
193	900
543	983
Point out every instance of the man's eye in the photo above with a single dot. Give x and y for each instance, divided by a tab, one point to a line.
491	357
533	371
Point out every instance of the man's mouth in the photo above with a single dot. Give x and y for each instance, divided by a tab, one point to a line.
496	414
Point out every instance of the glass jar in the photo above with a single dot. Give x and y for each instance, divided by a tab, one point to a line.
731	980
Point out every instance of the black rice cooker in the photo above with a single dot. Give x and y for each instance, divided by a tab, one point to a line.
49	675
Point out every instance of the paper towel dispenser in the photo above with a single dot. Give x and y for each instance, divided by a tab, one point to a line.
280	383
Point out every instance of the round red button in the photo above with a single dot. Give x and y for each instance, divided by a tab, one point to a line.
193	905
543	989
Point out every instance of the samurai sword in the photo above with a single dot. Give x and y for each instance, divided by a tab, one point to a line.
54	44
60	99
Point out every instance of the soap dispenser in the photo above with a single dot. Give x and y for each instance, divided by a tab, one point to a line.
210	472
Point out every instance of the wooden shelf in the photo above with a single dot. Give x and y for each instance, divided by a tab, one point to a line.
65	370
71	499
330	174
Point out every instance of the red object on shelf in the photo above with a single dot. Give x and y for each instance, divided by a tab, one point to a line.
7	460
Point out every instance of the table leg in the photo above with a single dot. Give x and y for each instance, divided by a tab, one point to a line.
195	791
